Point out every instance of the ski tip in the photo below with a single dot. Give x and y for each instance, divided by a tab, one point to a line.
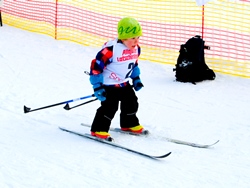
162	156
215	142
209	145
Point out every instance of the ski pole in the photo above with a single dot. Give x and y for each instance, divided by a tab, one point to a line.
26	109
86	72
67	107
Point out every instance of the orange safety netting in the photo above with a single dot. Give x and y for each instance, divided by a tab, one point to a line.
224	25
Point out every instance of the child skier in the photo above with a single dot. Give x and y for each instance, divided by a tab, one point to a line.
110	72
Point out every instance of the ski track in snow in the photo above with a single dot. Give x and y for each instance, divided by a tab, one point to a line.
37	70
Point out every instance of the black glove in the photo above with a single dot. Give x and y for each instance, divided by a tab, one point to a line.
137	83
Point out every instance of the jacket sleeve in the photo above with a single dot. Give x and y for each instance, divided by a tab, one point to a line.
103	58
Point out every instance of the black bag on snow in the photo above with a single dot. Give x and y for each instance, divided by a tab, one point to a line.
191	66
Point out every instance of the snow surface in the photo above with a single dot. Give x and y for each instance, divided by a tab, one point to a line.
37	71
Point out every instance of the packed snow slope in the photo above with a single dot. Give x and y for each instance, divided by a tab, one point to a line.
37	71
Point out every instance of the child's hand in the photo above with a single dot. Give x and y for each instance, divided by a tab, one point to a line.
100	94
137	84
99	91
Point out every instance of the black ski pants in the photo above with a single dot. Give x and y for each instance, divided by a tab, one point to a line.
106	112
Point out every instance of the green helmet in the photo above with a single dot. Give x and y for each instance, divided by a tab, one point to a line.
128	28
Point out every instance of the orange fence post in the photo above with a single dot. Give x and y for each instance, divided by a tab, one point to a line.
202	29
56	19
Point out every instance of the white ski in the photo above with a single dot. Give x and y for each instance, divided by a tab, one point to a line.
165	138
109	142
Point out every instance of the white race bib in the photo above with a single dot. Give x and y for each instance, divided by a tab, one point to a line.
122	63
